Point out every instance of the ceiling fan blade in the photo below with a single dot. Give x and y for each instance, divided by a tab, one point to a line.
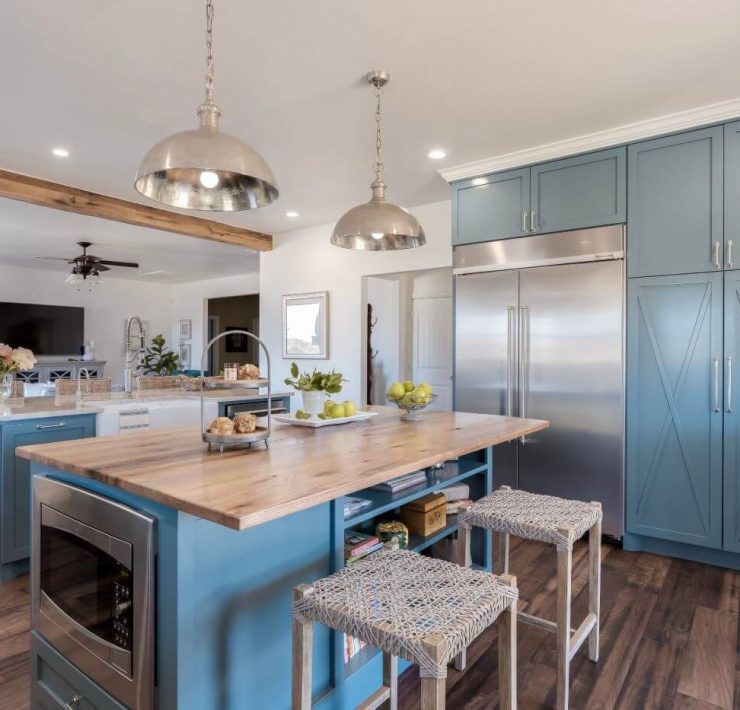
99	267
119	263
55	258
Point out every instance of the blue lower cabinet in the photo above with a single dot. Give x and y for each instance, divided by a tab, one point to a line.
674	408
731	538
15	492
56	684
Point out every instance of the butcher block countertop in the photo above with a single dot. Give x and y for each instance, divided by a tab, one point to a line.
302	468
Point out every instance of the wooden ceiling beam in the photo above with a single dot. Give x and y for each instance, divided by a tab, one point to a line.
71	199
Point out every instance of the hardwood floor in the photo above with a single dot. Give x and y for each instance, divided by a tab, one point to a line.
669	638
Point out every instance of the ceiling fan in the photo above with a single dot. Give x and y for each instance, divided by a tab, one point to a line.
87	265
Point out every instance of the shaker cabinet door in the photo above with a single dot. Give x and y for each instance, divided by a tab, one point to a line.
584	191
492	207
731	538
674	408
675	191
16	474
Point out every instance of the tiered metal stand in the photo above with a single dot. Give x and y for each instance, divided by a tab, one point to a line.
262	433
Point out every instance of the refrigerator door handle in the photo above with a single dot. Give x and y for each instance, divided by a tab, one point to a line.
509	360
523	363
728	405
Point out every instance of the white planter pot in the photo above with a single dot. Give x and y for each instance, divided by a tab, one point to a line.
313	402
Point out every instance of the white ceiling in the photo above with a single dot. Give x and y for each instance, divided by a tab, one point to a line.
108	79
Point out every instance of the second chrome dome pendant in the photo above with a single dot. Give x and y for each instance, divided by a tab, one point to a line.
378	225
206	169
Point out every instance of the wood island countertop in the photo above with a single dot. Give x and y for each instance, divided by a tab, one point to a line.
302	468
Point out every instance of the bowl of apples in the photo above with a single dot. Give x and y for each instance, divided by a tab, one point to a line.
411	398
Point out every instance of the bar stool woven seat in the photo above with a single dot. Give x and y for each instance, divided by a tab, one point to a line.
532	516
422	609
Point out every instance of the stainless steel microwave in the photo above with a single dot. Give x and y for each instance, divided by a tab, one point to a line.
92	587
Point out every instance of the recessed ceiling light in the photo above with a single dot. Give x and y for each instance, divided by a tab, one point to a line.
437	154
292	214
60	152
480	181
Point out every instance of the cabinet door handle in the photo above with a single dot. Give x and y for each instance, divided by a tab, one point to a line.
716	384
728	404
729	254
716	255
533	220
58	425
524	221
73	703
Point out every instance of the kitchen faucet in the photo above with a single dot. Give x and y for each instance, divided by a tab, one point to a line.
131	355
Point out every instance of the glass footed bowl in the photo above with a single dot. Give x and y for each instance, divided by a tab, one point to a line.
413	410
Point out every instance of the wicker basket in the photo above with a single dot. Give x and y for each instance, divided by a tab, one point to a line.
95	385
159	382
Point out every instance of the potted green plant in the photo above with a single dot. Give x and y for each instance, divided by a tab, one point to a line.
159	359
314	387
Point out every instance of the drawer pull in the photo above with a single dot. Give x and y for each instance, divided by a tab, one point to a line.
58	425
74	703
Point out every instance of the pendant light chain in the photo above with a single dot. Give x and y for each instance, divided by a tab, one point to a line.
209	51
379	167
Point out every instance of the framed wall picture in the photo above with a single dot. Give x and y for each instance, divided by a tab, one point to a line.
186	328
184	356
306	326
237	342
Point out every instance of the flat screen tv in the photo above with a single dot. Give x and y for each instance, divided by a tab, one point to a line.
47	330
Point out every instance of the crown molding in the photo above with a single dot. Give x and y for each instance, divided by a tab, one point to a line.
628	133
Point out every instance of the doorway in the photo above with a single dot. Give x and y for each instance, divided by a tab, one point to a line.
409	333
228	314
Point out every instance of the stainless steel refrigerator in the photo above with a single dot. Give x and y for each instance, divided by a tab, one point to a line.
539	331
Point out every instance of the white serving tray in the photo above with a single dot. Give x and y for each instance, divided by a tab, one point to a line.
315	423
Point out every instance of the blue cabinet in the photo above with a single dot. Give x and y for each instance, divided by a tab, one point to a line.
15	492
731	537
674	408
732	195
675	204
493	207
583	191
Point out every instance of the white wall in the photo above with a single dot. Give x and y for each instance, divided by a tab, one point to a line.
304	260
106	308
189	301
385	296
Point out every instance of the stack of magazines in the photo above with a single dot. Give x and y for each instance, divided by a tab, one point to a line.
358	545
402	482
352	505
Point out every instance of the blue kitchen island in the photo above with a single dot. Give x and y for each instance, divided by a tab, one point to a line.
235	532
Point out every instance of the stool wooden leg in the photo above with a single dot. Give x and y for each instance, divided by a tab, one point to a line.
563	627
464	560
594	586
390	678
302	656
507	653
432	694
501	553
433	689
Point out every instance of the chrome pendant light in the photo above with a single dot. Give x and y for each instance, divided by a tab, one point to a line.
206	169
378	225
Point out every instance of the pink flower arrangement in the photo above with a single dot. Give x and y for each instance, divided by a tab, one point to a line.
15	359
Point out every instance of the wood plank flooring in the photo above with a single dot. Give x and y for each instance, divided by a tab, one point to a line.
669	638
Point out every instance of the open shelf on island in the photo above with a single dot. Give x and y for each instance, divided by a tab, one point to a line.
383	502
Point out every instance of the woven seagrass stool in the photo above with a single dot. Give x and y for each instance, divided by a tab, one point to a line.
422	609
558	522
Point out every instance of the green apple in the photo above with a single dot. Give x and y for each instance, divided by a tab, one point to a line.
407	401
419	395
337	411
300	414
349	408
426	387
408	385
396	390
328	404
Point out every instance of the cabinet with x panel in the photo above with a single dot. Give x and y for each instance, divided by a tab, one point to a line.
675	408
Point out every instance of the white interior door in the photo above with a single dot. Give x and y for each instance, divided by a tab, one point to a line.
432	347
